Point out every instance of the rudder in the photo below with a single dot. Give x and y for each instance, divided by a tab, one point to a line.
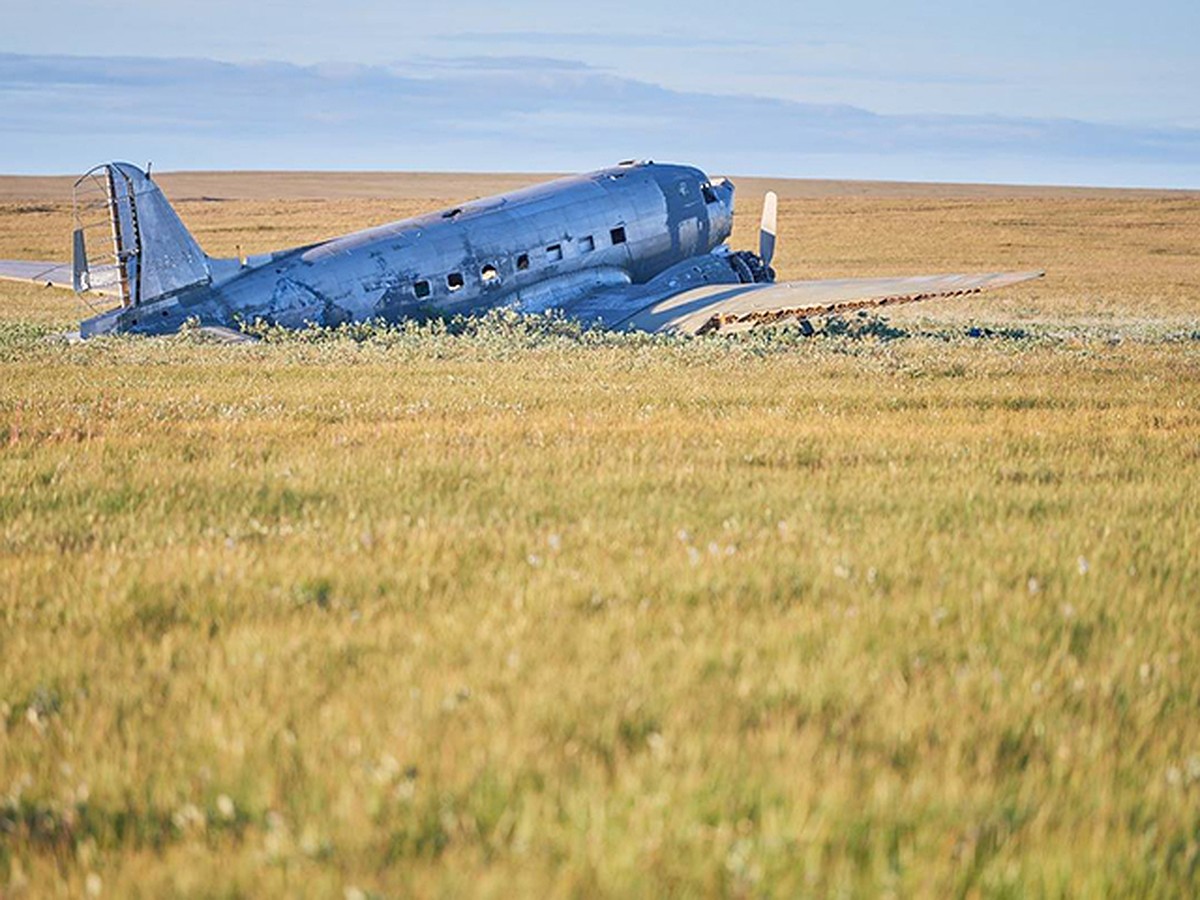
152	255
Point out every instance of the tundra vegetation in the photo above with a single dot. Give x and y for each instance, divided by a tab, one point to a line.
907	607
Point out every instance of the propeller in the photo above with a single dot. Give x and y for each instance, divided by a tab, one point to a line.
754	268
766	231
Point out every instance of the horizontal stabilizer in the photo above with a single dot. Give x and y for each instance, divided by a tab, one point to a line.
52	274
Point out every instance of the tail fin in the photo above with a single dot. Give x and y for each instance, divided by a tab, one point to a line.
152	254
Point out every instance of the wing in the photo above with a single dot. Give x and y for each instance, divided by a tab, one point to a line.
46	273
733	307
104	278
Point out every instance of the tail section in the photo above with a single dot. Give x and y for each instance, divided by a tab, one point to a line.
128	237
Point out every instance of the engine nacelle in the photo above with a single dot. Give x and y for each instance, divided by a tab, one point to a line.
750	268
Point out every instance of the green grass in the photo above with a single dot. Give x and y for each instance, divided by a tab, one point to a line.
520	610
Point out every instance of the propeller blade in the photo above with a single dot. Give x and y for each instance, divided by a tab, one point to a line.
766	232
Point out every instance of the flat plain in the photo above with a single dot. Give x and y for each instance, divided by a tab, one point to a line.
908	607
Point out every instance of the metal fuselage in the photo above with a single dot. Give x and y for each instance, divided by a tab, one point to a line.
533	249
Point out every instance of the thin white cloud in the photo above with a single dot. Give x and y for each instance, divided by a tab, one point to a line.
650	39
520	113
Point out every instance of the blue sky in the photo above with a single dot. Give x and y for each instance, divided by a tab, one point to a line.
1067	92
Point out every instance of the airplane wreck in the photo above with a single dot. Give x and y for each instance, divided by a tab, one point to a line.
638	246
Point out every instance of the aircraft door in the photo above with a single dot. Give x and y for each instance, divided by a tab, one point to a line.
691	218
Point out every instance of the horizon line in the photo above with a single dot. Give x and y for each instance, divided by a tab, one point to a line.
549	175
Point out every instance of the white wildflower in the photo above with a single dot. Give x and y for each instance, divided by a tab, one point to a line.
189	816
656	743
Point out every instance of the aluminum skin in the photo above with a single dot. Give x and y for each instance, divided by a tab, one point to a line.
639	245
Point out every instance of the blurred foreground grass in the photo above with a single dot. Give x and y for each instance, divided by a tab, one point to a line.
445	614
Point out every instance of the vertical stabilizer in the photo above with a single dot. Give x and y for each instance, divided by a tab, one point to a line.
127	234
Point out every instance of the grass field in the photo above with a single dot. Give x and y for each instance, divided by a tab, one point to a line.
892	610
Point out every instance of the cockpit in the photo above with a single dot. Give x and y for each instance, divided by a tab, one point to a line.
718	201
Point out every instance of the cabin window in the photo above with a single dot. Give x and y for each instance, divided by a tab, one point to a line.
421	289
454	281
586	244
710	196
488	274
522	262
554	252
617	235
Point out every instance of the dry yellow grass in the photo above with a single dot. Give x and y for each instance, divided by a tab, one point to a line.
511	612
1113	257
